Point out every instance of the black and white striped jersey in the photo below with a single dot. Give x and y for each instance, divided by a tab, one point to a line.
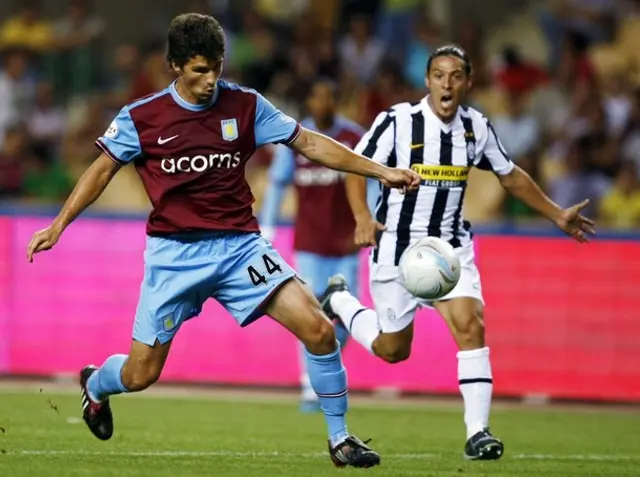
410	135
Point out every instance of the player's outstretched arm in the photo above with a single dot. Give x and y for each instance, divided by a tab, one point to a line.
522	186
89	187
324	150
569	220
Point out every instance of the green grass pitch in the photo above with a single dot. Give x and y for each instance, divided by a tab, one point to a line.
159	434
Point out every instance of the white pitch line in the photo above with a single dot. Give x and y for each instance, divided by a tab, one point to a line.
308	455
585	457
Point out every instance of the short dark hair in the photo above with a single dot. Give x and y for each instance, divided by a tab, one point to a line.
451	50
193	34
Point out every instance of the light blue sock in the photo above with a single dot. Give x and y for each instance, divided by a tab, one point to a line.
308	394
342	335
329	380
107	381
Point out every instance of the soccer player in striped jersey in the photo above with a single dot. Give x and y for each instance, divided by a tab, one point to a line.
323	211
441	140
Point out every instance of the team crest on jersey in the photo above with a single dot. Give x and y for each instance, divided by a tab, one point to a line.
229	129
112	130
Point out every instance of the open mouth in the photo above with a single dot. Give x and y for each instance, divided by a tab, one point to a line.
446	100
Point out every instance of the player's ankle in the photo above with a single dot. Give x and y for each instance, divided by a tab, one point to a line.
339	437
472	430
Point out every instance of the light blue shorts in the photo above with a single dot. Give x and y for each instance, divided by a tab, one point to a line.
239	270
316	270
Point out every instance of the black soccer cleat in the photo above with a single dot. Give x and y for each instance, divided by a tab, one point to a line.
353	452
483	446
97	415
337	283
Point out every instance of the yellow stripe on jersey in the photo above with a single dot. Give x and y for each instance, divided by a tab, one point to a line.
441	173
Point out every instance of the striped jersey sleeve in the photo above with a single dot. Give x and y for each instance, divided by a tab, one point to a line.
493	156
378	143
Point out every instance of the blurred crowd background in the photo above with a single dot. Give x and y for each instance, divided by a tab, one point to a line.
560	80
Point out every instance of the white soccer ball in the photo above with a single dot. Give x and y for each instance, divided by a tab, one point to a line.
429	268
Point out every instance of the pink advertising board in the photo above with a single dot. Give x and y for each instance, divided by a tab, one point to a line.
561	319
6	290
78	301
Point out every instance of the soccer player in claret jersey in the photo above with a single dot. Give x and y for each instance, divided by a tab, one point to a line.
441	139
190	144
324	224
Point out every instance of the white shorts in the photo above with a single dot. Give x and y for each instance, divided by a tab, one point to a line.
396	307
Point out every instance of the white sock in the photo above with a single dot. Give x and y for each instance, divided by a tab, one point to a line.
476	386
360	321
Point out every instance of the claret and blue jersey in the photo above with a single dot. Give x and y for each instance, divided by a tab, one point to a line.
203	240
191	158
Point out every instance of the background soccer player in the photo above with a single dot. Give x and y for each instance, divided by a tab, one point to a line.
190	144
324	225
443	140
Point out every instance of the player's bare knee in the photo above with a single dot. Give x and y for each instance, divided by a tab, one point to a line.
469	330
396	354
139	375
392	350
320	336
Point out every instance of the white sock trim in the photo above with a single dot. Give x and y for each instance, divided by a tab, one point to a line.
473	353
364	328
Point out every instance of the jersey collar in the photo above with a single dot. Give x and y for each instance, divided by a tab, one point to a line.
189	106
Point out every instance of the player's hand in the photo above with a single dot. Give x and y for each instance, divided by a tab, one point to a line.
42	240
573	223
403	179
366	232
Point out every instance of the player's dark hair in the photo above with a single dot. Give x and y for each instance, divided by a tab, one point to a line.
451	50
193	34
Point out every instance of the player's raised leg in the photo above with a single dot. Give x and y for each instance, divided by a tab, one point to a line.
172	292
464	315
259	281
387	331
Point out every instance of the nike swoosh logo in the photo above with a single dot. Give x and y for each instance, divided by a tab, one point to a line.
416	146
164	141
